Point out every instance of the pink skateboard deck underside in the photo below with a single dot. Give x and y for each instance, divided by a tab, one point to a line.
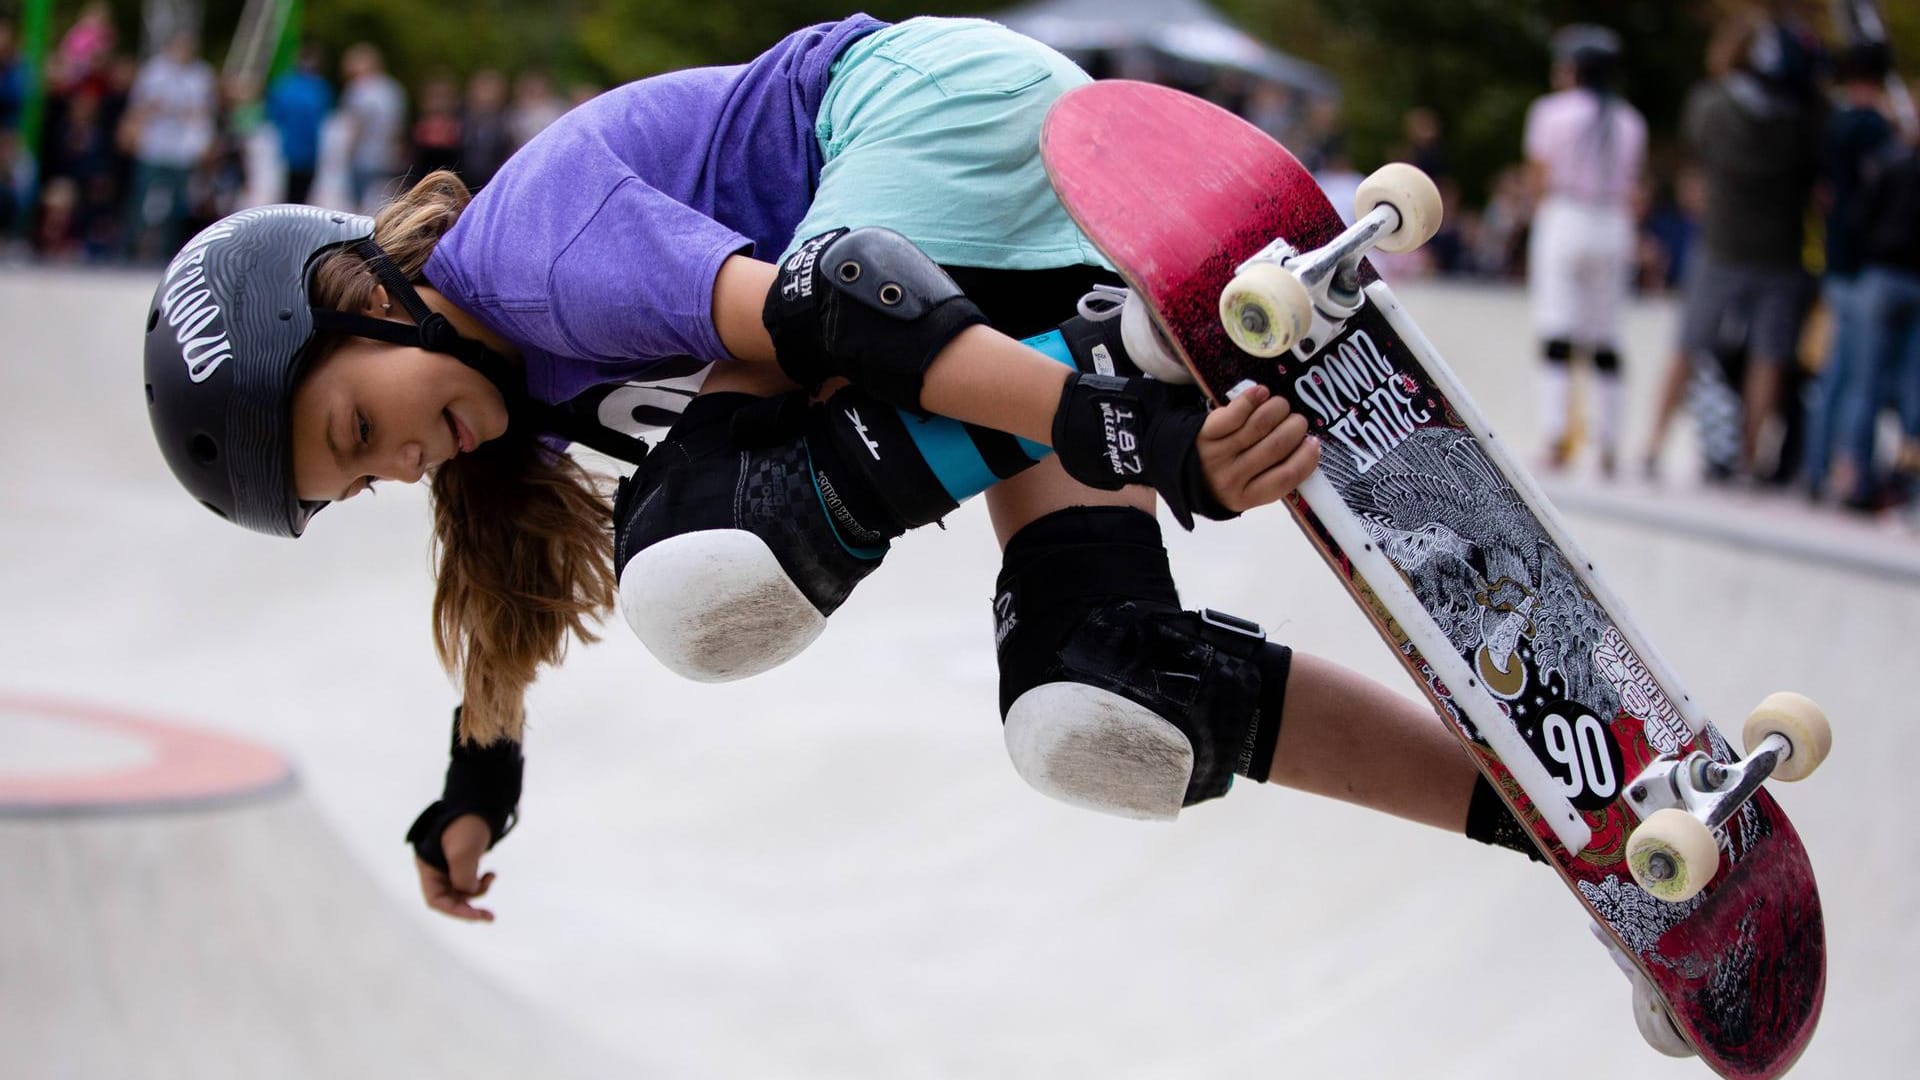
1177	193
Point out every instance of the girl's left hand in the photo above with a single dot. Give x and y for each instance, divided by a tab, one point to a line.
452	891
1255	450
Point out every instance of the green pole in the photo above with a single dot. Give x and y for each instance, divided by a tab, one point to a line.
36	20
287	50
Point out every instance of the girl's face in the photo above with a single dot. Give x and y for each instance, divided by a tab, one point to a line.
371	412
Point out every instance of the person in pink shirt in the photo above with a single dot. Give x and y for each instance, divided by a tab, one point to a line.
86	47
1585	148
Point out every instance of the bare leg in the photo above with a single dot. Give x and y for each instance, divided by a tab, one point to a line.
1341	735
1347	737
1762	393
1039	491
1673	393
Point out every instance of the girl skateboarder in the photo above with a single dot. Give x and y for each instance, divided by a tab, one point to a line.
817	267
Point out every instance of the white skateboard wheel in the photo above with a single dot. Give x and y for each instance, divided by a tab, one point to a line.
1412	195
1656	1024
1796	718
1673	855
1265	309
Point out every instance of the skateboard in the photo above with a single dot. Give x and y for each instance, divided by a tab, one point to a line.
1660	830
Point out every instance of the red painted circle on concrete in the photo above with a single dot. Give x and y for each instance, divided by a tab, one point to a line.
176	766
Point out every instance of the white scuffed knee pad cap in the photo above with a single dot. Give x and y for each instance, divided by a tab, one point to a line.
1093	748
716	606
1146	348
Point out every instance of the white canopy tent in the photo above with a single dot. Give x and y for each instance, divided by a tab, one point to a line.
1186	30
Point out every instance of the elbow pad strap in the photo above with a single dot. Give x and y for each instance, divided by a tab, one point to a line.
865	305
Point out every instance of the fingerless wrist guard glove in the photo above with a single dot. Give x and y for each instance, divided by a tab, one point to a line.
483	780
1110	432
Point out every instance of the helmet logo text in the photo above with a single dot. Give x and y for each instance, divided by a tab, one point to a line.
190	311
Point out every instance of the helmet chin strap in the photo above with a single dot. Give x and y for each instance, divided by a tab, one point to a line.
432	331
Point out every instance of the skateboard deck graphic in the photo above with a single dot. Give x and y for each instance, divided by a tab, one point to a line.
1458	561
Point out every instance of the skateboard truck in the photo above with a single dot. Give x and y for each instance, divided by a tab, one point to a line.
1282	298
1684	803
1710	790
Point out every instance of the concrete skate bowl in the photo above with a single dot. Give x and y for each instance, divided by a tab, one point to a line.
174	906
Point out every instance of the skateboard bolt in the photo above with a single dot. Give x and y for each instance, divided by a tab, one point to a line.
1639	792
1660	868
1706	774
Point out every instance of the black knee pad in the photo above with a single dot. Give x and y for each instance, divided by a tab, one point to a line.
729	563
704	476
873	480
1114	697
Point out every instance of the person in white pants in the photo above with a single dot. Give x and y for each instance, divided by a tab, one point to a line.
1585	148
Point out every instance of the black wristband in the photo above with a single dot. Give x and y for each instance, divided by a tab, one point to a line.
1109	432
1490	822
424	834
483	780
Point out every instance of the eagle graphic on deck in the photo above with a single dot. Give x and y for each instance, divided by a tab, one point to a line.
1479	561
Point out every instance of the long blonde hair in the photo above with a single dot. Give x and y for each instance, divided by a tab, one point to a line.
523	540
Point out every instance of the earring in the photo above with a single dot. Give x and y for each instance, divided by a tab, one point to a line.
386	307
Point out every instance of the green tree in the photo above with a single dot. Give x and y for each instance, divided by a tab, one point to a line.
1477	63
627	39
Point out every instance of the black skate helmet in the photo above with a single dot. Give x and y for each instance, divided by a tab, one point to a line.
1593	51
1786	58
229	335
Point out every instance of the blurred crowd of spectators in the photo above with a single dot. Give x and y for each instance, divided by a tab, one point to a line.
1487	240
1803	161
1796	168
1799	169
133	156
